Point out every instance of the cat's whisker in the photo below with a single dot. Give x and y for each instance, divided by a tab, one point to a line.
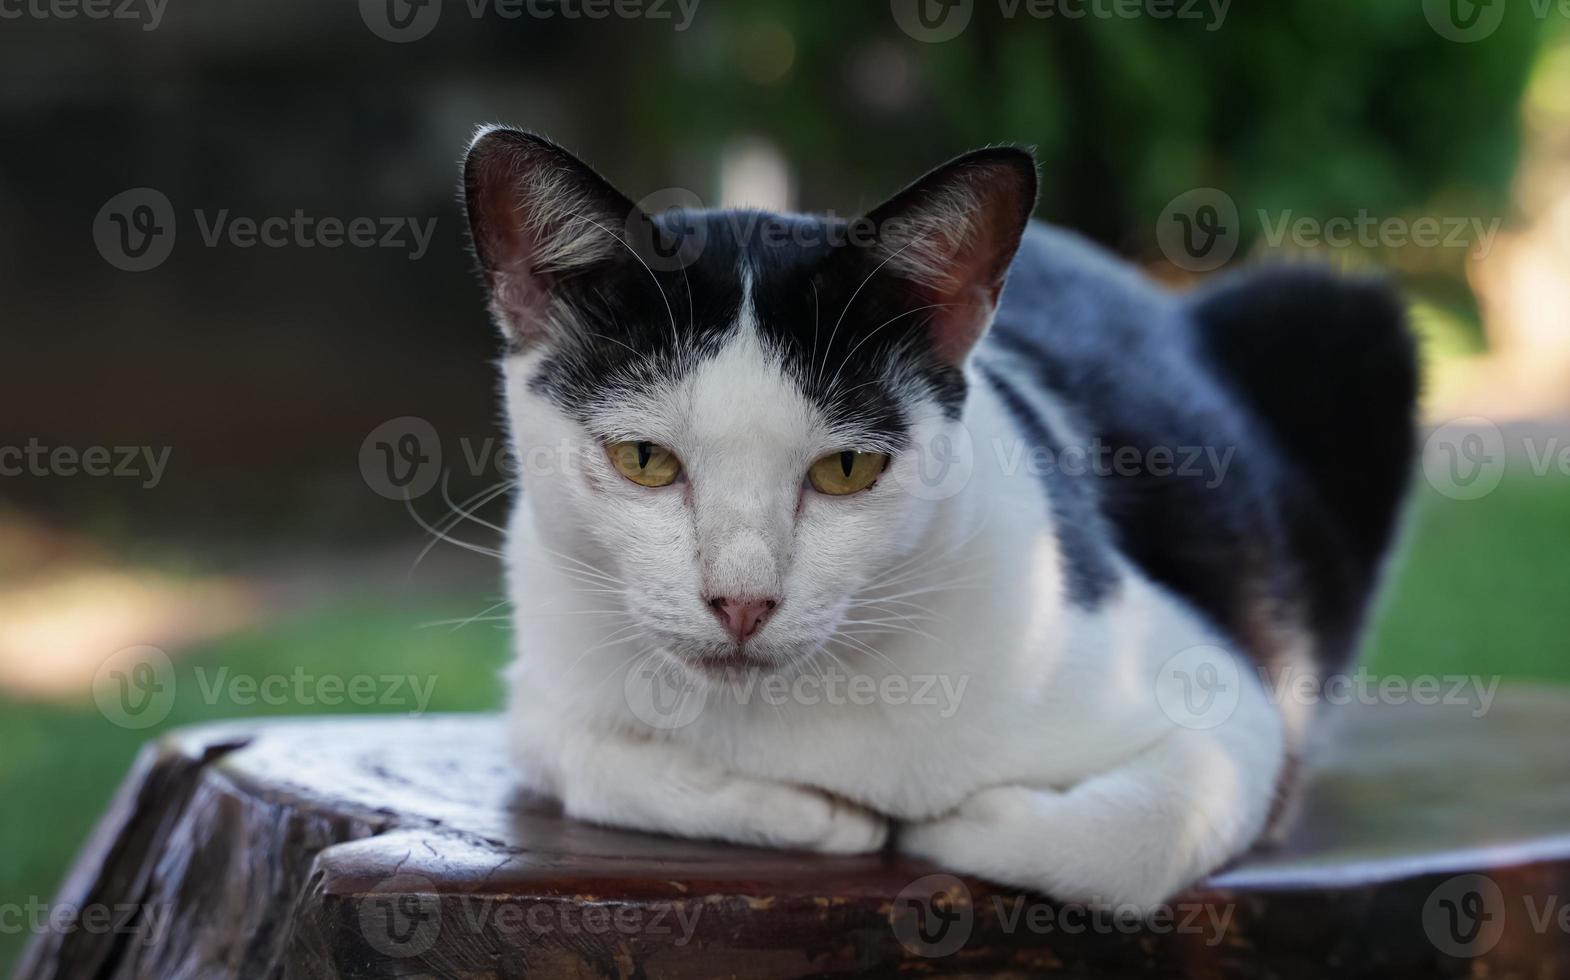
579	576
937	565
898	616
892	624
463	621
618	343
837	659
626	634
481	616
851	302
588	568
444	536
948	548
479	499
440	532
813	357
881	601
858	644
675	331
869	335
971	583
461	514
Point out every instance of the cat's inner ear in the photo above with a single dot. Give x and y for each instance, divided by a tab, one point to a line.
538	217
951	236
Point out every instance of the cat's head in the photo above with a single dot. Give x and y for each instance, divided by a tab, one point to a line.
733	397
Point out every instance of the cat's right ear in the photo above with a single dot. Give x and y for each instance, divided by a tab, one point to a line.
538	216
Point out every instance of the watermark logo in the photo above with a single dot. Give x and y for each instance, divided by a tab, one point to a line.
135	230
661	694
402	916
933	21
938	464
402	458
401	21
663	229
1365	230
1199	687
1465	459
1464	21
933	916
1465	916
1199	230
135	687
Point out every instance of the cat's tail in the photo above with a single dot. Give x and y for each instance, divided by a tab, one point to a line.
1330	366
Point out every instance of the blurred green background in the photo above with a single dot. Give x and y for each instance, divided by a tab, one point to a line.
264	549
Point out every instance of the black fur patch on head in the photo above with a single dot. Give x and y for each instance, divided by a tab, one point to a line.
852	338
862	315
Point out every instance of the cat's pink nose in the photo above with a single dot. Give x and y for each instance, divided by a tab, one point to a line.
742	617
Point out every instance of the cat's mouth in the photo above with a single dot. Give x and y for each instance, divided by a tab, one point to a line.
729	661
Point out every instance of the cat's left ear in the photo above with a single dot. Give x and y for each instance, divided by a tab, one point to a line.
539	217
951	236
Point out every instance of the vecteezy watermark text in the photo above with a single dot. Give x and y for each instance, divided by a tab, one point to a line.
135	230
934	917
1098	458
145	920
404	916
143	463
403	21
1200	687
136	687
665	696
1200	231
935	21
150	13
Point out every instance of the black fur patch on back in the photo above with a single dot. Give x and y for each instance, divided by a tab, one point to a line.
1084	539
1305	379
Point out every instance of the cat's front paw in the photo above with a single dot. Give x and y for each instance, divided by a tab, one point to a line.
647	785
1049	842
799	817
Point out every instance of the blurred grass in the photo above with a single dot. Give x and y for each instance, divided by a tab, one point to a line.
1481	586
1478	588
60	765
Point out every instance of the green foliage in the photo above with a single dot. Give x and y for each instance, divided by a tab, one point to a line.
1325	108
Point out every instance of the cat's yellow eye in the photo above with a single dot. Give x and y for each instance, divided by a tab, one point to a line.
645	463
838	474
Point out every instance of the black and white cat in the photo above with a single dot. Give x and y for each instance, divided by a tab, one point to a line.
769	448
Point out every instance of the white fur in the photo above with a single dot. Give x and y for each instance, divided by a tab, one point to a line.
1057	769
921	244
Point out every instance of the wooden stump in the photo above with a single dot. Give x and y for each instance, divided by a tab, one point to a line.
1433	844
